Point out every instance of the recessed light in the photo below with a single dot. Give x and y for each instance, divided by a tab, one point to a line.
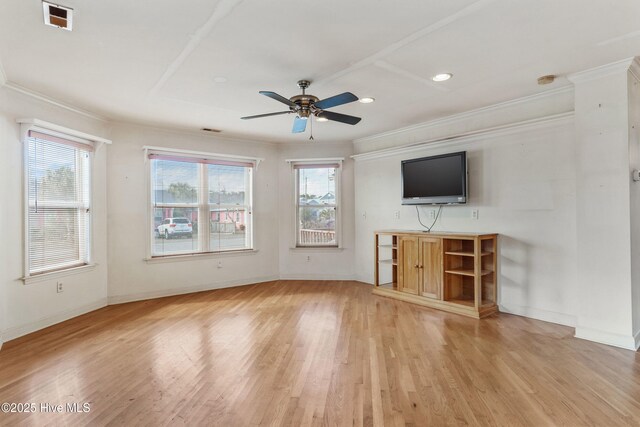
442	77
322	119
220	79
367	100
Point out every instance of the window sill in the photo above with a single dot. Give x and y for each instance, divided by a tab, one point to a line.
316	249
57	274
196	256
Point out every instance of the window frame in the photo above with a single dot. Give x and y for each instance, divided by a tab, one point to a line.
299	164
87	245
203	205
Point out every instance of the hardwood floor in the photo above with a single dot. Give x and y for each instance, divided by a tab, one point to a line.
314	353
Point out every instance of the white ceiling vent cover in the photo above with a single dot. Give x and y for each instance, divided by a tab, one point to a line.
57	16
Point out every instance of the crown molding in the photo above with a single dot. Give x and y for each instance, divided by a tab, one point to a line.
44	98
218	137
601	71
468	114
526	125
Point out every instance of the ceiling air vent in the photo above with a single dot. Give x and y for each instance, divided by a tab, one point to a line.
211	130
57	16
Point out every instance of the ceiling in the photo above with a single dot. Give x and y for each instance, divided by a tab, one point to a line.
155	61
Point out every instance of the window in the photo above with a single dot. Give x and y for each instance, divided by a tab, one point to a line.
58	203
200	205
317	199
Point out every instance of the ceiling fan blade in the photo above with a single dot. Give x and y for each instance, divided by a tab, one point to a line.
299	125
342	118
266	115
277	97
334	101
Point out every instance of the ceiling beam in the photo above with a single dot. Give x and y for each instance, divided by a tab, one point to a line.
221	11
383	53
623	37
406	74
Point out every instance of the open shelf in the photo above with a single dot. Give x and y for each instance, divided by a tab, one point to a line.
388	246
467	272
390	285
462	253
468	302
388	261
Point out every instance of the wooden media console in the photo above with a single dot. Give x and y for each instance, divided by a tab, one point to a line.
455	272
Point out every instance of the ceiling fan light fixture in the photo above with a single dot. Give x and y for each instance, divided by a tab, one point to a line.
367	100
322	119
306	105
442	77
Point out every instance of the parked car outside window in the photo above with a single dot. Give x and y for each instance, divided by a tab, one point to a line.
175	227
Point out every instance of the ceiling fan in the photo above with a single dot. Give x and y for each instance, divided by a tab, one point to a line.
305	105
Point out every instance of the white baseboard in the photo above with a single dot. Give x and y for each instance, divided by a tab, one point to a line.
18	331
364	279
294	276
120	299
627	342
536	313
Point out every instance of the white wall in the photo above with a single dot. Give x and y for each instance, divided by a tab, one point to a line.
634	163
603	205
308	263
31	307
130	276
523	184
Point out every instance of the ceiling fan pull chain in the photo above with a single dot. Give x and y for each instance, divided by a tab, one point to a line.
311	128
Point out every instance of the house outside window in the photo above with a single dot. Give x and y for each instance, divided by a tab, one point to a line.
317	191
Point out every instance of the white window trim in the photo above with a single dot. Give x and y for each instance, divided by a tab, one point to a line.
293	245
199	255
58	273
150	256
95	142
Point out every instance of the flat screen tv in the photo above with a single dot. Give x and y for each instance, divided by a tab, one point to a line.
435	180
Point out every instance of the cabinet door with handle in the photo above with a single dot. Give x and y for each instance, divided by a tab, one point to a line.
409	265
431	267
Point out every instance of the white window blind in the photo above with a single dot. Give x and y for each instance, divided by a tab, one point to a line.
317	187
58	203
200	205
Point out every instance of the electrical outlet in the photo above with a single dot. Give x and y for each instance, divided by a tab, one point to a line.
308	258
59	287
364	215
396	214
432	214
219	264
474	213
